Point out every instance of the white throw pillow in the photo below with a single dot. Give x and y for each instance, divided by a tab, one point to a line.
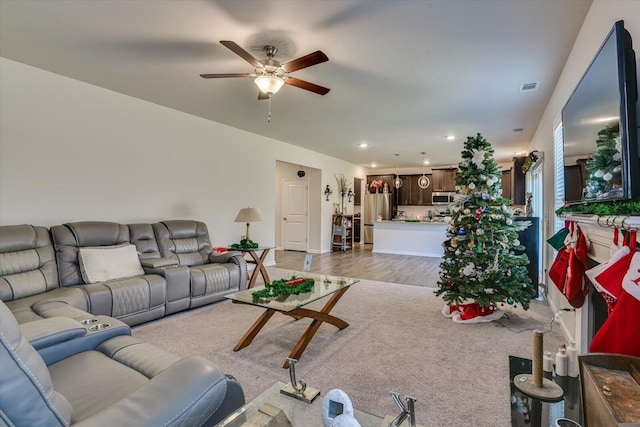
99	264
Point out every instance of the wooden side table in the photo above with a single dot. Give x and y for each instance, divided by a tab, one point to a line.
258	261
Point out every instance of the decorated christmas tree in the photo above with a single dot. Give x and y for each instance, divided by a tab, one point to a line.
604	166
480	270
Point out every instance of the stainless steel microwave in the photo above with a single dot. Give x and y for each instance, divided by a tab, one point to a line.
442	198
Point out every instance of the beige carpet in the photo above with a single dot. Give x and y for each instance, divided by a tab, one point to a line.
397	341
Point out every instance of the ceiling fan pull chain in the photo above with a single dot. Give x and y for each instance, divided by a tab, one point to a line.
269	116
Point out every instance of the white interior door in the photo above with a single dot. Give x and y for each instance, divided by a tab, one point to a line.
295	214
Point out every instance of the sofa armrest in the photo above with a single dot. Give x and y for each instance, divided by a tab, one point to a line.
54	330
224	257
158	263
96	332
191	389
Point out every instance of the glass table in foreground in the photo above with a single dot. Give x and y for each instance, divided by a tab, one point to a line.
333	287
299	413
529	411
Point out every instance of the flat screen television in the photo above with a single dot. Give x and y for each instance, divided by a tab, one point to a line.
599	124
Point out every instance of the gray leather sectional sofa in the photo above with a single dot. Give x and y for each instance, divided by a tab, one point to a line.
68	297
177	270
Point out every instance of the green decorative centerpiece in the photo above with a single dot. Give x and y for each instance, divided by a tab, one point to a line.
245	244
293	286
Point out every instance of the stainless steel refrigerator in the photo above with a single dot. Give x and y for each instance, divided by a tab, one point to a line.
375	204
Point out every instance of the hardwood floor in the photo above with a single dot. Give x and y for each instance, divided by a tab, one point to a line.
362	263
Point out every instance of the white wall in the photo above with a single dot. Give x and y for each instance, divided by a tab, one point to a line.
599	21
71	151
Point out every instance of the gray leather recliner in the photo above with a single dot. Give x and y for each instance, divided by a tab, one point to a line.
119	382
176	276
133	300
212	275
29	276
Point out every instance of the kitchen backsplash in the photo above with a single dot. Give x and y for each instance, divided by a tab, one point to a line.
419	212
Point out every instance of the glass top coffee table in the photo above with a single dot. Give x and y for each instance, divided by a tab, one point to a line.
333	287
299	413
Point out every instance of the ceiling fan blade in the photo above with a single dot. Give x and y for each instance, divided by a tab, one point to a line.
308	86
221	76
262	95
305	61
241	53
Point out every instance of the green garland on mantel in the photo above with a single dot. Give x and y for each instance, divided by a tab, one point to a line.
625	207
293	286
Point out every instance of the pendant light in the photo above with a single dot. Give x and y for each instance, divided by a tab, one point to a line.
397	182
423	181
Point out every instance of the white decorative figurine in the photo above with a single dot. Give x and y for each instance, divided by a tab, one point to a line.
337	410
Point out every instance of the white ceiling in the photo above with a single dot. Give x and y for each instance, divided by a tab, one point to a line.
403	73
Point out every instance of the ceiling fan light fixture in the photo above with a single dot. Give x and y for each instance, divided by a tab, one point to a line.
269	84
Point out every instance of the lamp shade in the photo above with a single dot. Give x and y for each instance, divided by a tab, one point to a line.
269	84
248	215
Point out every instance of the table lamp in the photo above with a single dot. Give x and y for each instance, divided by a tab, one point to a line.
248	215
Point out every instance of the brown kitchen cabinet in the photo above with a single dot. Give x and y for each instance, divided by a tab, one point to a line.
411	194
357	191
518	179
388	179
506	184
444	179
404	192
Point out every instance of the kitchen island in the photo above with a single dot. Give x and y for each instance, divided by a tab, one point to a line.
409	238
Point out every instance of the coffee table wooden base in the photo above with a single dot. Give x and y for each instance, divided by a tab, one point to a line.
319	317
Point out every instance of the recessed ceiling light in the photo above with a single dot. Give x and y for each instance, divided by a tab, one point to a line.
519	153
450	137
363	145
373	165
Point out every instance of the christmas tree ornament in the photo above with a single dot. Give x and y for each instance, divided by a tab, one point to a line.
486	196
483	177
504	207
472	185
479	232
510	300
454	242
458	252
607	176
479	247
509	221
599	173
516	242
462	232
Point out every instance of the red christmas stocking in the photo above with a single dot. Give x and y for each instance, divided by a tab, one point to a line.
575	288
608	279
620	333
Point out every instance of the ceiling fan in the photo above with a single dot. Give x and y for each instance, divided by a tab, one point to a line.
270	75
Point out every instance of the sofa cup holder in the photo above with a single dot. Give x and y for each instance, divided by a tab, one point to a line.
99	326
89	321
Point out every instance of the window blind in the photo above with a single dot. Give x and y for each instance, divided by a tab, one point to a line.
559	174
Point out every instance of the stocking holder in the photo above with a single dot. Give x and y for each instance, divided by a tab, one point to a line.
298	389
